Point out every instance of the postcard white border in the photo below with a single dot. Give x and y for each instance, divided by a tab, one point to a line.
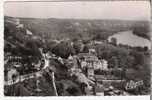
2	97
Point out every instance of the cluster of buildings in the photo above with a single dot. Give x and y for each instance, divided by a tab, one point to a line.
90	63
87	63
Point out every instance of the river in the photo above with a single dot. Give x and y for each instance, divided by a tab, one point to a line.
128	38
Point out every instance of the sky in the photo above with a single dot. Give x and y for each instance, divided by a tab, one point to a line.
121	10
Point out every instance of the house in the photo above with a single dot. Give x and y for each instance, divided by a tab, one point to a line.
90	72
20	26
87	63
15	21
28	32
74	64
95	42
92	51
11	72
88	58
104	64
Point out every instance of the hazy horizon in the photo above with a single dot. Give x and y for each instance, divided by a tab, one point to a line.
134	10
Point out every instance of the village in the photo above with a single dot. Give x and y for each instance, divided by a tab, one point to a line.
86	72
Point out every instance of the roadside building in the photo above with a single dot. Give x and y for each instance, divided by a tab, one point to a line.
104	64
95	42
60	60
83	64
92	51
74	64
28	32
11	72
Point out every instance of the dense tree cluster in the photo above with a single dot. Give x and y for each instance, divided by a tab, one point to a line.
134	62
63	49
143	31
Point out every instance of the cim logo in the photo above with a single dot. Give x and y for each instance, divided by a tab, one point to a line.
132	84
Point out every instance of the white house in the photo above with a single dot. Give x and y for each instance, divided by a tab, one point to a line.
11	72
28	32
104	64
20	26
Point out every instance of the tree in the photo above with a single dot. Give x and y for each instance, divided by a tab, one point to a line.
145	48
63	49
139	57
85	49
72	91
113	41
33	49
142	31
113	62
77	46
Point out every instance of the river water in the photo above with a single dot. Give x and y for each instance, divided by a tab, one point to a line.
128	38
